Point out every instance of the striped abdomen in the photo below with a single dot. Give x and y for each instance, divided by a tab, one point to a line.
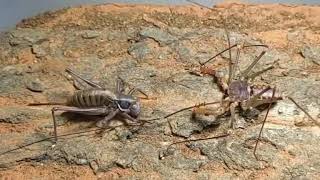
91	98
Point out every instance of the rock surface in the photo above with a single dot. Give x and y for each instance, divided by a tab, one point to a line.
155	49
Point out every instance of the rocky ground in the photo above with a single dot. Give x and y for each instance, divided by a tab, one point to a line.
155	48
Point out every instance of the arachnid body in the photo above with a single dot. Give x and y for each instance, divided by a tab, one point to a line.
97	100
239	93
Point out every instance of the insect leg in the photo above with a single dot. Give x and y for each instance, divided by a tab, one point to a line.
77	76
87	111
104	122
127	116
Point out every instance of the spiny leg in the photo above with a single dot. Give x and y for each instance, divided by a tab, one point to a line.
263	123
254	75
92	84
187	108
231	64
249	68
235	45
252	101
191	107
233	114
236	63
87	111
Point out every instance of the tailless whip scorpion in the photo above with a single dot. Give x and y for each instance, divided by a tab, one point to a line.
238	91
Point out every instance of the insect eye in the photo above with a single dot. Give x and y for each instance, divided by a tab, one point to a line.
124	104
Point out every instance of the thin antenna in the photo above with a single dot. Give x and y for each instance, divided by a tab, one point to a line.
63	135
47	139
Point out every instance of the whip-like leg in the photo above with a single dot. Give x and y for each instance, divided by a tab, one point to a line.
263	123
254	75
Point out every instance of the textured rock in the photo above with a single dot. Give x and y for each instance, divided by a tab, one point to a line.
35	86
20	114
162	37
158	61
90	34
311	53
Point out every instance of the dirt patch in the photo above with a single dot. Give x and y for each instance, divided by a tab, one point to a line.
49	171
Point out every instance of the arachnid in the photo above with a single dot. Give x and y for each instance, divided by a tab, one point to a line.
239	92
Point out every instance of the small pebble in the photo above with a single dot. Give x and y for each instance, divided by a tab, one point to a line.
35	86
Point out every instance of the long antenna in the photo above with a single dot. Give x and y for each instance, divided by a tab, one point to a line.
63	135
47	139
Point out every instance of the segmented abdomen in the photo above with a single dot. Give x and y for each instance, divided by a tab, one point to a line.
91	98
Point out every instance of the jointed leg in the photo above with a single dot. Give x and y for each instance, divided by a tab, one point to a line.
104	122
247	71
88	111
252	76
233	114
127	116
264	121
231	65
253	101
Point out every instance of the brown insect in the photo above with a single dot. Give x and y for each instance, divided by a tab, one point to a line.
239	92
96	101
99	101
